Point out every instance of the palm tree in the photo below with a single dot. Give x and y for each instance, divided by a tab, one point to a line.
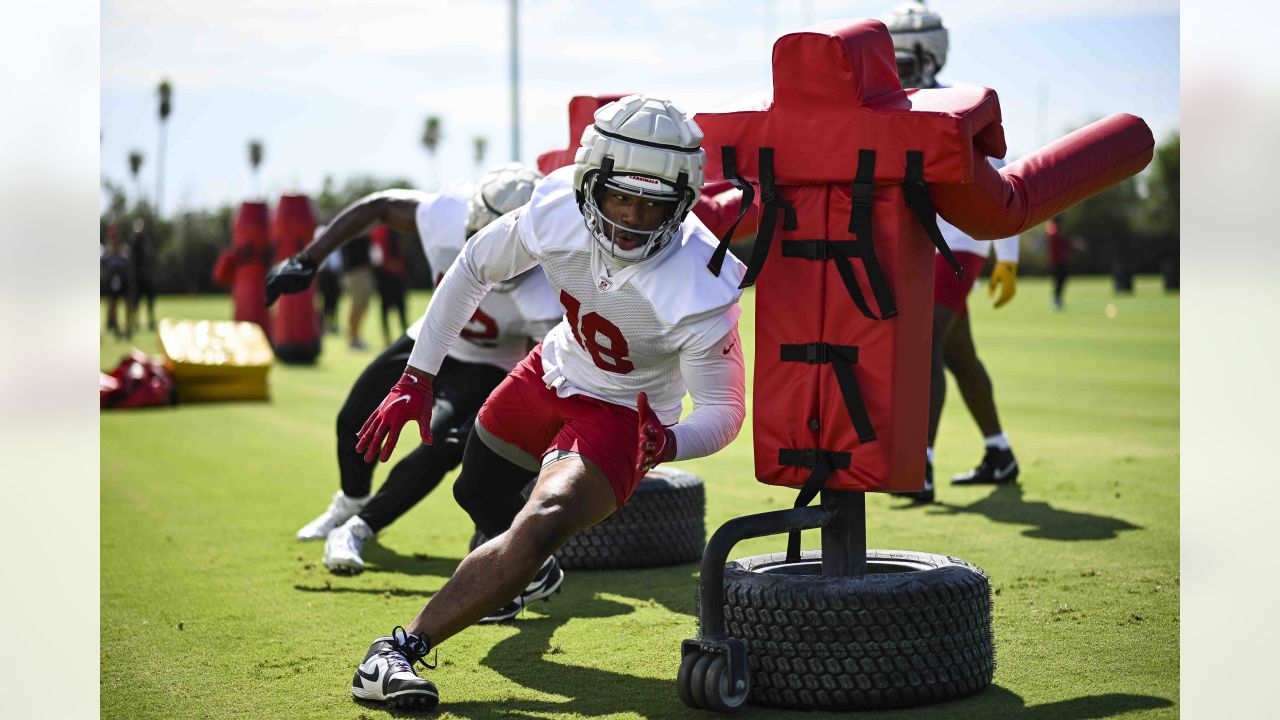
481	144
431	140
135	165
255	160
165	91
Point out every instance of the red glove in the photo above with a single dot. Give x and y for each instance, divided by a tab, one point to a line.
656	444
410	399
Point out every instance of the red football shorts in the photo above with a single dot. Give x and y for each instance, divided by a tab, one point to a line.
951	291
523	411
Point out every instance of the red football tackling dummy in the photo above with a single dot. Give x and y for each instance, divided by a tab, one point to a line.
847	167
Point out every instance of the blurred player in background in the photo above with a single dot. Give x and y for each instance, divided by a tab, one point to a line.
920	44
515	315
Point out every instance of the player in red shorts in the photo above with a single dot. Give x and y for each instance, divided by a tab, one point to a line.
595	406
920	44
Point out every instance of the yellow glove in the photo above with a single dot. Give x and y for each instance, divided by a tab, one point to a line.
1005	274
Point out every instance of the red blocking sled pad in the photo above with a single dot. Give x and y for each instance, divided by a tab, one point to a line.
848	171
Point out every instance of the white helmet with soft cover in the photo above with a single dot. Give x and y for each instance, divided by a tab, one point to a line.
646	147
919	42
500	191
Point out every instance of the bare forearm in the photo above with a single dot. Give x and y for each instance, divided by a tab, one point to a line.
391	208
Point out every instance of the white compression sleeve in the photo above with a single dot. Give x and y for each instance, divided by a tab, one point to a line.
716	378
1007	249
492	255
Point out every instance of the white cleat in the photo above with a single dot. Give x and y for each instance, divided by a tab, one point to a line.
344	544
340	510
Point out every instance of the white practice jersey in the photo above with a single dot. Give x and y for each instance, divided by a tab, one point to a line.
647	327
510	315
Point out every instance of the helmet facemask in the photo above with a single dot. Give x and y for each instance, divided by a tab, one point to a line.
645	148
677	200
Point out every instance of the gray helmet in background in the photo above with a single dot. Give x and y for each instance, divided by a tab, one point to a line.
500	191
919	43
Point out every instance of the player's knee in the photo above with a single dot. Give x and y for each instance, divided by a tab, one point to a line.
469	494
548	523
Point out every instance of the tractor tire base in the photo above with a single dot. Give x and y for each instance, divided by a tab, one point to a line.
915	630
661	524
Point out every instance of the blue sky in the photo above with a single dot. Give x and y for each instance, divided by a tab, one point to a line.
342	88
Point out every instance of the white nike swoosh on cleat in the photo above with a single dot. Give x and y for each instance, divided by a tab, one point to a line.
1002	474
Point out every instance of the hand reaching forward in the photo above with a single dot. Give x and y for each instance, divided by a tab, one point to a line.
410	398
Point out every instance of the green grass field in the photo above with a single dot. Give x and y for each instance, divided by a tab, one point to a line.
210	608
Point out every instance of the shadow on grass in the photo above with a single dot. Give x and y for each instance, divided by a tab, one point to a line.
1006	505
340	590
379	558
382	560
531	660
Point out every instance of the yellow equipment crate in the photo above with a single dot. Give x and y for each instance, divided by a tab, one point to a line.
216	360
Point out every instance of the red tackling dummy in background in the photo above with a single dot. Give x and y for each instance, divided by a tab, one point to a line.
295	326
243	266
845	163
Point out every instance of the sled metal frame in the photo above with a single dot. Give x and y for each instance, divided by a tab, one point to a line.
843	519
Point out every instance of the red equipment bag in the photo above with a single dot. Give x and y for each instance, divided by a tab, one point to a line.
138	381
846	165
295	325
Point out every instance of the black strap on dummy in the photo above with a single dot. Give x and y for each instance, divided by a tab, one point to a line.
842	359
839	252
770	201
860	224
863	247
917	196
729	164
823	463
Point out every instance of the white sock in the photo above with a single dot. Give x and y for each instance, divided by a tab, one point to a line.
996	441
359	527
929	454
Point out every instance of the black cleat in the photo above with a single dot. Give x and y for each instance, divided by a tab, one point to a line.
543	585
387	676
925	495
997	466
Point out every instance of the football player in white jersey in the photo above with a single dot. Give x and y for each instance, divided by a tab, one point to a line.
515	315
595	406
920	44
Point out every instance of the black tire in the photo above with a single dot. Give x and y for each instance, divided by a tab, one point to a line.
661	524
916	629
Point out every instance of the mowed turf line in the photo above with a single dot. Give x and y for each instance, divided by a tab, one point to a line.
209	608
